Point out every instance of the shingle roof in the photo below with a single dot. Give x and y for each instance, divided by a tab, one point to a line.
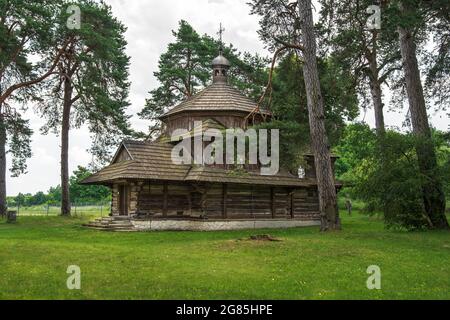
213	174
217	97
152	161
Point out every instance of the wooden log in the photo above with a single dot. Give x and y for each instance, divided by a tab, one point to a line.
224	200
292	204
272	202
165	199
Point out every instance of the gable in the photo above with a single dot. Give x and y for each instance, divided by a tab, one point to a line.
122	155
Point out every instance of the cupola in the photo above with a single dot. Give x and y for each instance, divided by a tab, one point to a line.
220	64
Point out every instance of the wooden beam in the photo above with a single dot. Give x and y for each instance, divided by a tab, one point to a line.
165	199
272	202
291	195
189	199
224	200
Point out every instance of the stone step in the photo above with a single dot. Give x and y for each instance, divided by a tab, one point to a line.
112	229
109	228
120	221
112	224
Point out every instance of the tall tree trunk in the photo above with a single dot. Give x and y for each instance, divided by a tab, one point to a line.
377	98
325	176
433	195
2	166
375	89
65	128
375	86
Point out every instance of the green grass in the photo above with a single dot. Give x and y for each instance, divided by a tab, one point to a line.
36	252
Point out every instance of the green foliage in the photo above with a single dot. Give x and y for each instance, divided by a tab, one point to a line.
290	110
388	180
368	55
279	22
437	60
98	67
26	30
358	142
28	200
442	141
54	195
294	142
18	136
79	193
83	193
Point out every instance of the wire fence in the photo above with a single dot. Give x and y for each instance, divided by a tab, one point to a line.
77	209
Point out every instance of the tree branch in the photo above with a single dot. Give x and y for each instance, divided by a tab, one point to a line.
269	83
287	45
17	86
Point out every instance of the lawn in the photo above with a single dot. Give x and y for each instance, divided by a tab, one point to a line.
306	264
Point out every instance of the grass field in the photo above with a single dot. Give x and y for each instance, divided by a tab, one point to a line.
306	264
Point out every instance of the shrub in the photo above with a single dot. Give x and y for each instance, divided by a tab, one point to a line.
389	181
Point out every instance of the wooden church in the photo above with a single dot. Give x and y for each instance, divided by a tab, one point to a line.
150	192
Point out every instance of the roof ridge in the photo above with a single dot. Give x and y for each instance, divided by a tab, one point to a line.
131	141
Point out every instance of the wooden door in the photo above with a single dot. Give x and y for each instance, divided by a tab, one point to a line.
124	200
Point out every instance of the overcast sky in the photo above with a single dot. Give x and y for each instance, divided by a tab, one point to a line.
149	25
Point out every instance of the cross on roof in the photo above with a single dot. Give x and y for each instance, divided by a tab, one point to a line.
220	33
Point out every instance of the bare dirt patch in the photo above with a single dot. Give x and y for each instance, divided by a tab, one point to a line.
263	237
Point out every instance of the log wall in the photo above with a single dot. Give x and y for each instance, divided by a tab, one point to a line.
228	120
230	201
115	200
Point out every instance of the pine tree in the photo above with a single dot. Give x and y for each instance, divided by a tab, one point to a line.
371	52
412	16
26	29
90	86
319	140
288	26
